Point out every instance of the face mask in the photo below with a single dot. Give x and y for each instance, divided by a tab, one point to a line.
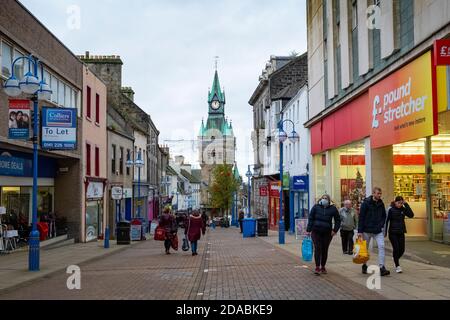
324	202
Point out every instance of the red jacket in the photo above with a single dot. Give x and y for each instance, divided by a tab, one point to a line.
194	228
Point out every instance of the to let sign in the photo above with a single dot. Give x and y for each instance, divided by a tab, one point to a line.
263	191
442	52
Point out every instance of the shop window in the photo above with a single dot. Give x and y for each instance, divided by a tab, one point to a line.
349	174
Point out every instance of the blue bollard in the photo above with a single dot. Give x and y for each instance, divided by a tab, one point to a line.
106	237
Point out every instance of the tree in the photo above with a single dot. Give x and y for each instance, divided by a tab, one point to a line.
223	187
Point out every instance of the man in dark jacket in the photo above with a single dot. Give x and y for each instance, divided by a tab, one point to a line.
320	226
372	218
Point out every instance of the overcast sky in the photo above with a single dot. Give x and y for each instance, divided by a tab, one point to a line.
168	49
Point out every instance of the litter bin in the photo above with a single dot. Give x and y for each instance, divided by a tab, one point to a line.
249	226
263	227
123	233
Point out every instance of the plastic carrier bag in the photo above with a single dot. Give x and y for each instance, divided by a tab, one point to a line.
360	252
307	249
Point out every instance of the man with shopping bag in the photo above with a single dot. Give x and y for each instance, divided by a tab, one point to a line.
372	218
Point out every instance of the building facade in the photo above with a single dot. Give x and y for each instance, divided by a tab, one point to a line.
380	114
60	172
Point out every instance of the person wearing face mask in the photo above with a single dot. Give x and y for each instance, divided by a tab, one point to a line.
349	221
372	218
395	225
320	227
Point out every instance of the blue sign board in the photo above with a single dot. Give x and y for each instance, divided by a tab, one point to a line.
18	164
300	183
15	167
59	128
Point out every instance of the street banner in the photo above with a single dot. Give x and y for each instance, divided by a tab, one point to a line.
59	128
401	106
19	119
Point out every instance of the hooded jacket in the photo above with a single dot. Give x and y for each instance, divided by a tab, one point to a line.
395	222
321	219
372	216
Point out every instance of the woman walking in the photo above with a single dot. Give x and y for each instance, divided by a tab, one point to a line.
320	227
195	227
169	223
395	225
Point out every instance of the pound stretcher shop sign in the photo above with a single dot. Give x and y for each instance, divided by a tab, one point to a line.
59	129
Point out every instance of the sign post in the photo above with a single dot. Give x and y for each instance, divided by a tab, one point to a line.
117	195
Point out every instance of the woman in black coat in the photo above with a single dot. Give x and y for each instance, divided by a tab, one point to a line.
322	231
395	225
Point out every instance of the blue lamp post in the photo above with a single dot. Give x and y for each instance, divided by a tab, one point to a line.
249	175
37	89
138	163
283	136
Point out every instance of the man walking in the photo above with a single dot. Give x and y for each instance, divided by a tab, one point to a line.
349	223
372	219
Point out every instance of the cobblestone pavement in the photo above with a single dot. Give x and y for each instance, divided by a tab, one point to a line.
227	268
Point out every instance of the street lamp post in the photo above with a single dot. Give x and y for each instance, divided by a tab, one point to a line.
138	163
38	89
293	137
249	175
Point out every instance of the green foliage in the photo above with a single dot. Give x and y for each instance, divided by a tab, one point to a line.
223	187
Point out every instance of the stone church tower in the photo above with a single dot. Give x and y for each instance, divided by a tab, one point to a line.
217	143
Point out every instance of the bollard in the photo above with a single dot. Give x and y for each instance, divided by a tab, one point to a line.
106	237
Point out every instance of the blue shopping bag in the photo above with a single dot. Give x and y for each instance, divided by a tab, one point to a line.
307	249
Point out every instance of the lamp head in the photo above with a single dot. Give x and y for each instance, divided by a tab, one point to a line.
282	136
29	83
294	137
12	87
44	92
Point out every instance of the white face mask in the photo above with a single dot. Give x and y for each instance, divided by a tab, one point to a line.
324	202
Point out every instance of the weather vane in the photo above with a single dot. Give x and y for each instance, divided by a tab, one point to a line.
216	61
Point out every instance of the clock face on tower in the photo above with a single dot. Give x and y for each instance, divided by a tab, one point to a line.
215	105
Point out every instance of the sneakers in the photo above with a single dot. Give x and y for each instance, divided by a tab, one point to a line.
323	270
398	269
384	271
364	269
317	271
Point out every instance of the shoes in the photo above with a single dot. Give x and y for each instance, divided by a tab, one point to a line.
167	252
193	253
384	271
398	269
323	270
364	269
350	253
317	271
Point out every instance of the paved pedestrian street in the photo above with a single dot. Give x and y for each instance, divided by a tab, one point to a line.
228	267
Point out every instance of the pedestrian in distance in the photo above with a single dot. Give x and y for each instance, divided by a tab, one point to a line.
372	219
241	220
396	227
195	228
321	229
169	223
349	223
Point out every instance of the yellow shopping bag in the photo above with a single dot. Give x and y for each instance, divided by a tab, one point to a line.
360	252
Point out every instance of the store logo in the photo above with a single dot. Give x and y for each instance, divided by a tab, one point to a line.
59	118
74	281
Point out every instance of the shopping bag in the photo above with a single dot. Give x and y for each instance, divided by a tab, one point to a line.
307	249
360	252
185	246
160	234
174	242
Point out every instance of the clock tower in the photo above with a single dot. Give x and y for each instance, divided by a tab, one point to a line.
217	143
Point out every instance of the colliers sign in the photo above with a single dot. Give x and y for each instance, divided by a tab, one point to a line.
402	106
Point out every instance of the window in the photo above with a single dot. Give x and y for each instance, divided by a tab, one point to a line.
67	99
128	157
61	93
88	102
113	159
121	161
97	108
97	162
88	159
354	15
18	67
7	56
54	86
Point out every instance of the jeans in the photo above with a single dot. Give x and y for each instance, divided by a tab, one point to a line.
194	246
347	240
379	238
322	242
398	246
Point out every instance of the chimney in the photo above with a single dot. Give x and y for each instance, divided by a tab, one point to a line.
179	160
128	91
87	54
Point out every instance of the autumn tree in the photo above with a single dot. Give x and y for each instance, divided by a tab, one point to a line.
223	187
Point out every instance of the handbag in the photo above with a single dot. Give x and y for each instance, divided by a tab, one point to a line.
185	246
307	249
160	234
360	252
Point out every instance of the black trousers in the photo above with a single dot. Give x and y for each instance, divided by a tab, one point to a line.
398	246
241	225
167	244
347	240
321	242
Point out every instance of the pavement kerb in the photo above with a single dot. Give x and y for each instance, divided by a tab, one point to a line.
43	274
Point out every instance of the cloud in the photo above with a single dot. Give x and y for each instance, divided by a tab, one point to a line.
168	49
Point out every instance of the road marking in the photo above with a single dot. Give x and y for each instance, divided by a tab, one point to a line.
199	294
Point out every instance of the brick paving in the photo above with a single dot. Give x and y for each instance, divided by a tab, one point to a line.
227	268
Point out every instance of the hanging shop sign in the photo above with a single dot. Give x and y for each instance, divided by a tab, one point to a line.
275	189
94	190
442	52
127	193
286	180
300	183
59	128
116	193
401	105
19	119
263	191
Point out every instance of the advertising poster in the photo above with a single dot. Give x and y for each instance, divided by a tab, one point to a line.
59	128
300	228
19	119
